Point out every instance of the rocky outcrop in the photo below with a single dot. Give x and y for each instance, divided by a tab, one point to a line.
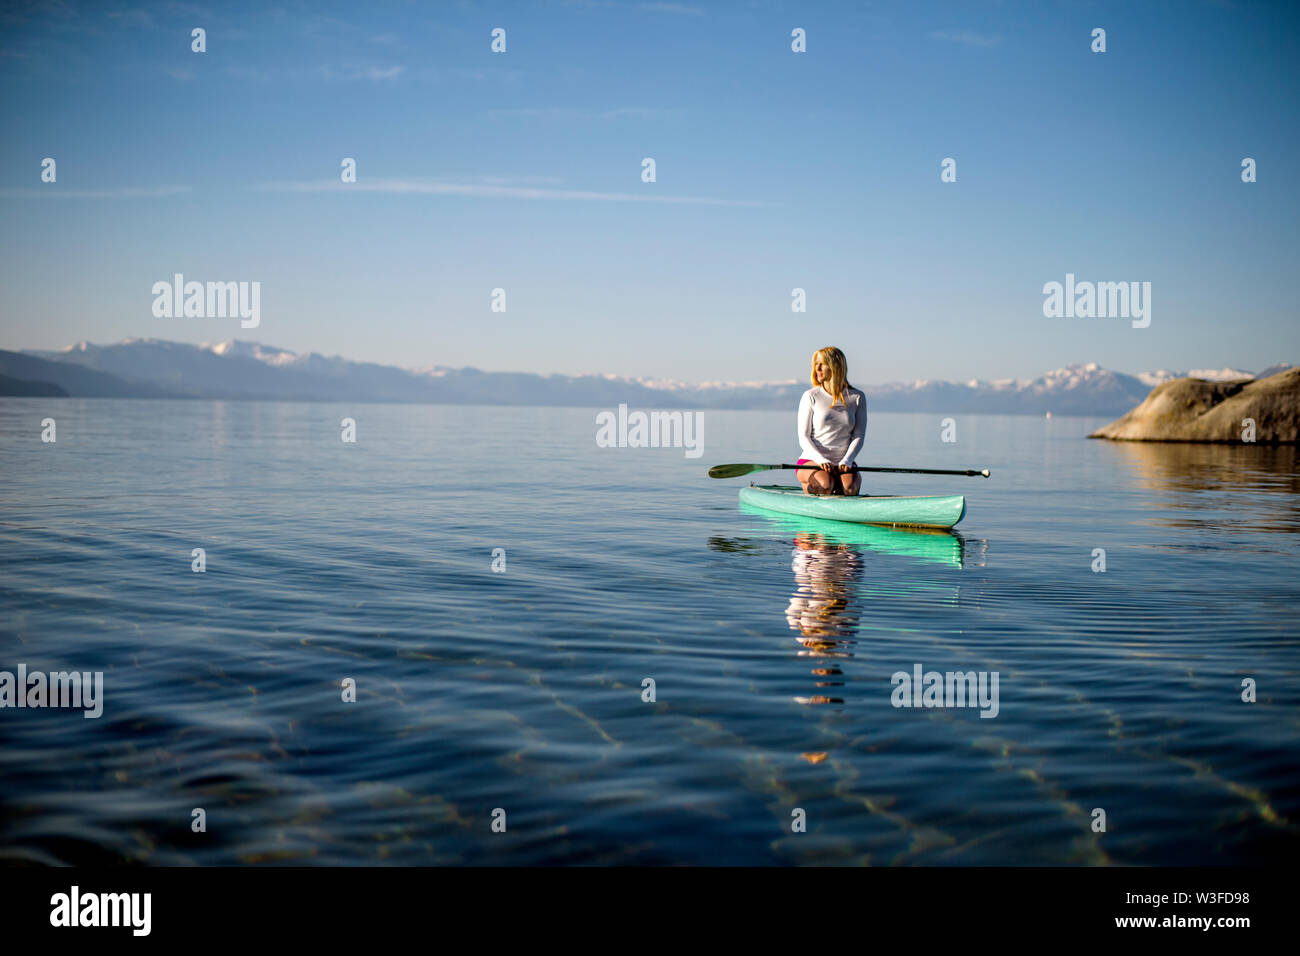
1192	409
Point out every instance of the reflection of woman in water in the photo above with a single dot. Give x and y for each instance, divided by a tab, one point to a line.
822	608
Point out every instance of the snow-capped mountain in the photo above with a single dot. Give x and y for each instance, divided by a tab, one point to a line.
249	370
236	349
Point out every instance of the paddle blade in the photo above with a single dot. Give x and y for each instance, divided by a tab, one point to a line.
735	471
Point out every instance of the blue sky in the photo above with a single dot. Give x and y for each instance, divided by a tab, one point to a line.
775	170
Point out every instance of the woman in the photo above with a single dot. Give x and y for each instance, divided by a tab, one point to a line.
832	424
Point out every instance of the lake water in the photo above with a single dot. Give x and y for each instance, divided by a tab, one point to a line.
771	644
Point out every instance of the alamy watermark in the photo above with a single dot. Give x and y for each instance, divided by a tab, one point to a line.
76	909
73	689
651	430
212	300
923	688
1098	300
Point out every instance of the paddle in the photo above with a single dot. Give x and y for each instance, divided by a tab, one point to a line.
736	471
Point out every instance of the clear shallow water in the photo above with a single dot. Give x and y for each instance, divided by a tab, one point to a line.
771	644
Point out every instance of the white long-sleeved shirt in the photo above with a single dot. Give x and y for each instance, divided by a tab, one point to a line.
829	433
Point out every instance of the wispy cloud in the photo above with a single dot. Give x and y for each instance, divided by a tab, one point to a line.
515	180
568	113
374	73
651	7
132	18
54	191
489	191
188	10
968	38
346	73
253	73
679	8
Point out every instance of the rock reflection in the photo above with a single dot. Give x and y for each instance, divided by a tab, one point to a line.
1182	473
1189	466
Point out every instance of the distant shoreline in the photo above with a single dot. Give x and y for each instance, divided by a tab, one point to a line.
246	371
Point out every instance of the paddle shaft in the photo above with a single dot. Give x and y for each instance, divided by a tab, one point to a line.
740	470
899	471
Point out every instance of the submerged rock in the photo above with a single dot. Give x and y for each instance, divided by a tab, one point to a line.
1193	409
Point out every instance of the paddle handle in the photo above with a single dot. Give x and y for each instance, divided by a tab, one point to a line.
970	473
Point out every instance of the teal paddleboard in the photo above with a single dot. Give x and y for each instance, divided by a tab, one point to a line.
925	511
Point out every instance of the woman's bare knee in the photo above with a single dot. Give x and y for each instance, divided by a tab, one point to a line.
820	483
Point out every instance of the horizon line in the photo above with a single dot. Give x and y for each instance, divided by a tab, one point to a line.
639	379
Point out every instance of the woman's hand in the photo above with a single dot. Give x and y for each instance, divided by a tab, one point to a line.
829	467
845	469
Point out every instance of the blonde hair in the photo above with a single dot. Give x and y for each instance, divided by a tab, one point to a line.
838	380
